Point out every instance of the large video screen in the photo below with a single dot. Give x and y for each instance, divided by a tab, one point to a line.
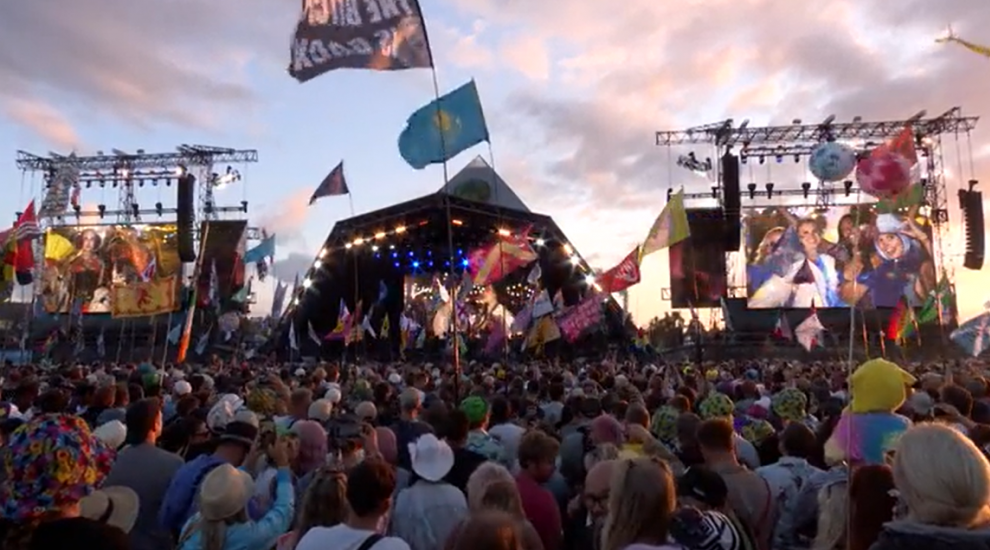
697	265
224	249
83	262
839	257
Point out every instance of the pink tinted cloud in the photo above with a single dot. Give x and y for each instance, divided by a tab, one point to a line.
43	120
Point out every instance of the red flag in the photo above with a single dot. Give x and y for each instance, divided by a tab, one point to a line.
622	276
902	145
490	264
25	230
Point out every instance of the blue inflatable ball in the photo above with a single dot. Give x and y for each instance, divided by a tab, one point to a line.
832	161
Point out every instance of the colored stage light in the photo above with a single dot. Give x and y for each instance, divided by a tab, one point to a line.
400	229
415	264
410	254
457	222
380	235
429	263
567	249
465	262
540	242
504	232
358	242
396	264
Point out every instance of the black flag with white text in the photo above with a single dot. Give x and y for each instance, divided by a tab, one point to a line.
381	35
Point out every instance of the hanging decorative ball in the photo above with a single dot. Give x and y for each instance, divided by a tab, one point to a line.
832	161
884	175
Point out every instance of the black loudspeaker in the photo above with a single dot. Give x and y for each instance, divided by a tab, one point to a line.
971	204
185	208
731	202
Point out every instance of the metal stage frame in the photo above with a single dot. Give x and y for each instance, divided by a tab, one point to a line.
798	140
127	171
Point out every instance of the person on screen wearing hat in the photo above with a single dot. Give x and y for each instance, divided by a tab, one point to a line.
223	500
479	440
429	509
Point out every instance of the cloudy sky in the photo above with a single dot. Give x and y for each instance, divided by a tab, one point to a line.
573	91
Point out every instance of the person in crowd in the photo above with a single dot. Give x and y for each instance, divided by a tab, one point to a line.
455	433
750	496
50	464
704	519
232	447
222	522
147	470
370	486
409	428
832	531
640	506
503	496
478	439
871	504
586	513
505	430
429	509
324	504
787	476
537	462
943	481
489	530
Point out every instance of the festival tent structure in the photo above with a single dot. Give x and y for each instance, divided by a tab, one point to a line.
427	238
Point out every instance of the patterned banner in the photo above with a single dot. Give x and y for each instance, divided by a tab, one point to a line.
622	276
573	322
144	298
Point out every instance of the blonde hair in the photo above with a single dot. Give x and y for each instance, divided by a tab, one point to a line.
833	506
325	502
640	504
483	476
942	477
213	532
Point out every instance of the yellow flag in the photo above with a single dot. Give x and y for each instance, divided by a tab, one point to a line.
385	328
670	227
971	46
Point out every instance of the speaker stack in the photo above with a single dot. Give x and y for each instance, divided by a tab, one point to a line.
731	201
185	206
971	204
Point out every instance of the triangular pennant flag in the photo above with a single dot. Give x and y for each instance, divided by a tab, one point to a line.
332	185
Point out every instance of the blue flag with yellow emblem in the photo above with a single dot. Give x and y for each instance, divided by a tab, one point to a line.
443	128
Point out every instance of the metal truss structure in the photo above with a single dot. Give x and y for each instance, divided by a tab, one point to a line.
125	171
798	140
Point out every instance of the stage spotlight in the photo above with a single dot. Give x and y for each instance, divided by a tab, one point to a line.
89	184
348	246
429	263
244	206
504	232
575	260
456	222
102	208
380	235
396	264
410	254
400	229
714	191
465	262
317	264
848	186
208	207
763	159
797	159
77	209
743	159
395	254
374	248
322	254
567	249
415	264
358	241
589	280
158	209
540	242
307	282
806	188
780	159
769	187
180	171
752	190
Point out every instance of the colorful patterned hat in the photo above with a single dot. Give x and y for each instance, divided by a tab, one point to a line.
51	462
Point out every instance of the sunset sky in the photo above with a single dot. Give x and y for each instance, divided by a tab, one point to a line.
573	91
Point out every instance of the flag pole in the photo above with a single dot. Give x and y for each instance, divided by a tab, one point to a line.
168	328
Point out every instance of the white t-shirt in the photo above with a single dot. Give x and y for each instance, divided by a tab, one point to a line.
342	537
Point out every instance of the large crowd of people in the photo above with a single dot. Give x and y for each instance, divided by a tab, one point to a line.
590	455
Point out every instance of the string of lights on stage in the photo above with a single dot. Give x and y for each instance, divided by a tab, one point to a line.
378	243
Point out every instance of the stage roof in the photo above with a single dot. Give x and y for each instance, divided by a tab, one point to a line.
414	238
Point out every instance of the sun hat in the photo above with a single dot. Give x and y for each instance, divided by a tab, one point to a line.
475	408
115	506
333	394
51	462
225	491
431	458
320	410
112	433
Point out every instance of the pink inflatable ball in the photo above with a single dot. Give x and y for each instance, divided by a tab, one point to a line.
883	175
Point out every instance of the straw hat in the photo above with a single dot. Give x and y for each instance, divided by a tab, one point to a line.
115	506
224	493
431	458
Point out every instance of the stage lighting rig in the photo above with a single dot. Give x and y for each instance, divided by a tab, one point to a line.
752	190
806	188
769	188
